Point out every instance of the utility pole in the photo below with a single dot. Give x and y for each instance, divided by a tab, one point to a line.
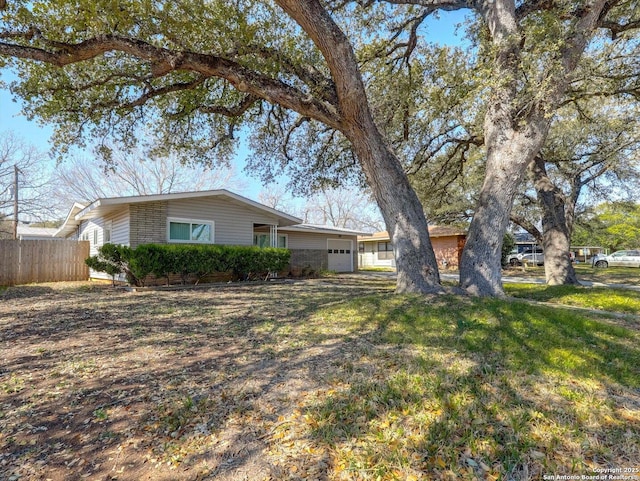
15	201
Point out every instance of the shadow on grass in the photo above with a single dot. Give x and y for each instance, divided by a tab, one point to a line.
479	388
23	292
95	382
195	379
607	299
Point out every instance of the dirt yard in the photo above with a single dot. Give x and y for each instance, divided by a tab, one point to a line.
328	379
103	384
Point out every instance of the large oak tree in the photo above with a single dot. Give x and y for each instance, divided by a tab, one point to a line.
197	71
532	52
529	61
296	78
590	155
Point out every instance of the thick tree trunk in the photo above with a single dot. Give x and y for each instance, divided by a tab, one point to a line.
556	228
514	135
416	263
480	265
509	151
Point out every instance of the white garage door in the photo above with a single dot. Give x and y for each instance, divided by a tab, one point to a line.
340	255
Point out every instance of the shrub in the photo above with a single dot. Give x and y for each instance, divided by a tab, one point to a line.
113	259
251	262
508	243
147	259
185	260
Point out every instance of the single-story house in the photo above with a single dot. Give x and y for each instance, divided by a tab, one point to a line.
209	217
27	232
377	250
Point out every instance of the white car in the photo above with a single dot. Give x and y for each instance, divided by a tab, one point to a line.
529	256
630	258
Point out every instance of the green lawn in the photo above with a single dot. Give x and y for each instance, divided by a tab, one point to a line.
607	299
473	389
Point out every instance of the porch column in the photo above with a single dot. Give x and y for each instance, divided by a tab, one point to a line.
273	231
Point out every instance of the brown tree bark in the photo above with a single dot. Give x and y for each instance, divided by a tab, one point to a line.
556	228
401	209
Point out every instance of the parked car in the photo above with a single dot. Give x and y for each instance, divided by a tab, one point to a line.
530	256
535	256
629	258
512	258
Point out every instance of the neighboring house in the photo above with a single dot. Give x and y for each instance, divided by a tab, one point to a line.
208	217
447	242
26	232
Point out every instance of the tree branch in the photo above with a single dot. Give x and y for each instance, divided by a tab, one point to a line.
307	73
431	5
236	111
617	28
164	60
526	225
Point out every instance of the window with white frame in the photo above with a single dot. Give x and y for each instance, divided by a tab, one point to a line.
190	231
264	240
106	233
95	237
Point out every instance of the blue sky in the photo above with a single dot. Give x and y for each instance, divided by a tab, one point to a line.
441	30
11	119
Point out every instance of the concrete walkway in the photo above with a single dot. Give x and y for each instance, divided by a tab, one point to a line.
445	276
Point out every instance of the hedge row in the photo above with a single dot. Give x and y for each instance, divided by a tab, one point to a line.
187	261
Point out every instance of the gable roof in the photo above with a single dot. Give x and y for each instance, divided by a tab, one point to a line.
101	207
70	223
434	231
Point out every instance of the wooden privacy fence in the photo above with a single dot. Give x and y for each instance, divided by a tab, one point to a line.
26	261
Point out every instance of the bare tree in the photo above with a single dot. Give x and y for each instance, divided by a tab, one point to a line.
280	198
33	201
347	208
83	179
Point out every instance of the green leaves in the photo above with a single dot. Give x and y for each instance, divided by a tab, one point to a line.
614	225
190	262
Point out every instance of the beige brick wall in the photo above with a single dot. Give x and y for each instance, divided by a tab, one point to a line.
148	223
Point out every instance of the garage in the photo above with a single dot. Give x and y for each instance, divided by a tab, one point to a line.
340	255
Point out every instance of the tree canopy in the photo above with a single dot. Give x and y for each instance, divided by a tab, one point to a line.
613	225
324	104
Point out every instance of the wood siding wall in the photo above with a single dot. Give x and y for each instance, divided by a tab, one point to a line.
120	227
27	261
233	223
